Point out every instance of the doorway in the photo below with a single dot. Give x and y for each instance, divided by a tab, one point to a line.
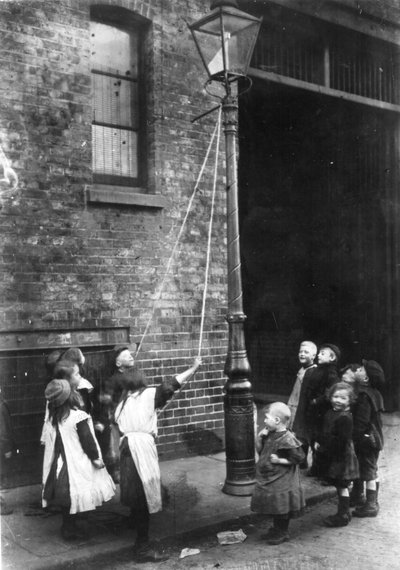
318	203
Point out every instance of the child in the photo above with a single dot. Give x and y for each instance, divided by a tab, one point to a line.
322	379
278	491
298	398
368	436
348	373
140	482
63	370
108	396
336	446
74	478
85	388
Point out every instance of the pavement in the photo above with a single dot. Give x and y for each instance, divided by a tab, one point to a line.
193	501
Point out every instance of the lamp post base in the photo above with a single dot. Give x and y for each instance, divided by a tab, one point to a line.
239	440
243	487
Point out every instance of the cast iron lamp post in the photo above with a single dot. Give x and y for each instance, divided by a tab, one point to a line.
225	39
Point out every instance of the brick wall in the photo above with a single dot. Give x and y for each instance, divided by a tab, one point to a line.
69	263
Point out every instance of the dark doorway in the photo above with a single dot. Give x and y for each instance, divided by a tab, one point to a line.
318	209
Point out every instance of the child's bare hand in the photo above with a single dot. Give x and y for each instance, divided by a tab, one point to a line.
8	455
263	432
98	463
316	446
197	362
99	427
274	458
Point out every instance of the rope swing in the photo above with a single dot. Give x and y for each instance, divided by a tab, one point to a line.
216	133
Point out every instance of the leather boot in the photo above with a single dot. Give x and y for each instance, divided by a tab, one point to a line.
370	508
343	516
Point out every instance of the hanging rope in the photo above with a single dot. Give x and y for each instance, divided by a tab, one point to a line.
210	226
158	294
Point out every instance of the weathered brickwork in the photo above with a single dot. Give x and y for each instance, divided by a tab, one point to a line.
68	263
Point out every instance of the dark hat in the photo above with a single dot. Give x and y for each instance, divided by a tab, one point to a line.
335	349
374	371
118	349
57	392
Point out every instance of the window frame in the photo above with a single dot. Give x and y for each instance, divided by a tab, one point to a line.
125	20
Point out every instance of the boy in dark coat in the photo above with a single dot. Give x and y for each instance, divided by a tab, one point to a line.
368	436
298	399
321	380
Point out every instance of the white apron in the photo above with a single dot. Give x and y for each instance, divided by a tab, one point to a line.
89	487
137	421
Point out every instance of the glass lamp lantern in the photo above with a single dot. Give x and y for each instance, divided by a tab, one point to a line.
225	40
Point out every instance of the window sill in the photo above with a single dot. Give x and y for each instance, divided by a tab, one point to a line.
124	195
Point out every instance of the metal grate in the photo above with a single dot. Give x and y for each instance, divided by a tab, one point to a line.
369	74
340	60
285	53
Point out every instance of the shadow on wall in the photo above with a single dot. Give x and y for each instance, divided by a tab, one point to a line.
203	442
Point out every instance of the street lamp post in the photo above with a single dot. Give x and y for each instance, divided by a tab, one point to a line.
225	39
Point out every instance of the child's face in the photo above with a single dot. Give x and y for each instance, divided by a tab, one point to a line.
271	421
361	375
75	377
306	355
325	356
340	400
349	377
125	359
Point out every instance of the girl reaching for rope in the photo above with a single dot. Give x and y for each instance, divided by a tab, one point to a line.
140	481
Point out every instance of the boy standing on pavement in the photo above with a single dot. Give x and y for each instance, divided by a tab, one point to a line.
106	400
323	378
298	401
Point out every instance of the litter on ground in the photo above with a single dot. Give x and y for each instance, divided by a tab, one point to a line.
231	536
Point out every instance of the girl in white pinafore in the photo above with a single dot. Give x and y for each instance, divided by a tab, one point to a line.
74	477
140	482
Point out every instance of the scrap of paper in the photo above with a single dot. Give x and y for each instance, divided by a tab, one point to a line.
231	536
189	552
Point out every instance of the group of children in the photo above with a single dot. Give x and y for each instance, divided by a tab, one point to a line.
337	417
333	417
75	479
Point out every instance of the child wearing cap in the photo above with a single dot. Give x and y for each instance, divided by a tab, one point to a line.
323	378
368	436
74	479
298	401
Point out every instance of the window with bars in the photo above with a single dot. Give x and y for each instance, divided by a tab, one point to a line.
118	106
330	57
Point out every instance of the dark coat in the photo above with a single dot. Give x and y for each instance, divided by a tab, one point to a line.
367	418
336	445
322	378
